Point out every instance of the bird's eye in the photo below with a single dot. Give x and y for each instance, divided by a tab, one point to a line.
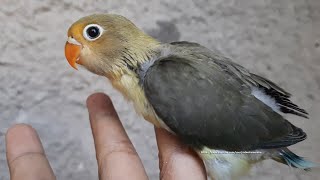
92	32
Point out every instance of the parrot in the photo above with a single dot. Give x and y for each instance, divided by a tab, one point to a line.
230	117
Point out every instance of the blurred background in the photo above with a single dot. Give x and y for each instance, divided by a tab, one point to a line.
279	39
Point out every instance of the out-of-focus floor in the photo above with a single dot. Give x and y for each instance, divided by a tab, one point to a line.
279	39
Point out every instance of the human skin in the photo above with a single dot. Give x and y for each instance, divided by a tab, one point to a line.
116	156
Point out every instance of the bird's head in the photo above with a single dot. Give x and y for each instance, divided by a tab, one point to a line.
105	43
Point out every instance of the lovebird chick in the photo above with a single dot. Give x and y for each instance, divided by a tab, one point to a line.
232	118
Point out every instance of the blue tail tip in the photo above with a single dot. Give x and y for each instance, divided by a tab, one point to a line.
296	161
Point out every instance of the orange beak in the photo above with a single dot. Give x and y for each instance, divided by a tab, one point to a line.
72	53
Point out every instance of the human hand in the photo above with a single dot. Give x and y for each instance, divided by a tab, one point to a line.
116	156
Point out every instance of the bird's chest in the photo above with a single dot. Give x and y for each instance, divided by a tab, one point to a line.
130	88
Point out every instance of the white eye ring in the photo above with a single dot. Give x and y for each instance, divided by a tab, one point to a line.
89	37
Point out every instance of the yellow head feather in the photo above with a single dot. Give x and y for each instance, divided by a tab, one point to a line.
121	44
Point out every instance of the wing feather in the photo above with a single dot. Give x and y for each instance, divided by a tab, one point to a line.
205	105
281	97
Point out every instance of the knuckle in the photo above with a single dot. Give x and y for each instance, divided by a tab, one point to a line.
26	154
118	148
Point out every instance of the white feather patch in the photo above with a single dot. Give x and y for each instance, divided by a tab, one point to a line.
266	99
226	165
144	68
73	41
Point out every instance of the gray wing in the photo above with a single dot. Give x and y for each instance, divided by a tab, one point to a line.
281	97
206	107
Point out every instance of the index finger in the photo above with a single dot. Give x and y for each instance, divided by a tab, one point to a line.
116	156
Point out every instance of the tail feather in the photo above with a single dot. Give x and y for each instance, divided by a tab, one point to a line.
291	159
